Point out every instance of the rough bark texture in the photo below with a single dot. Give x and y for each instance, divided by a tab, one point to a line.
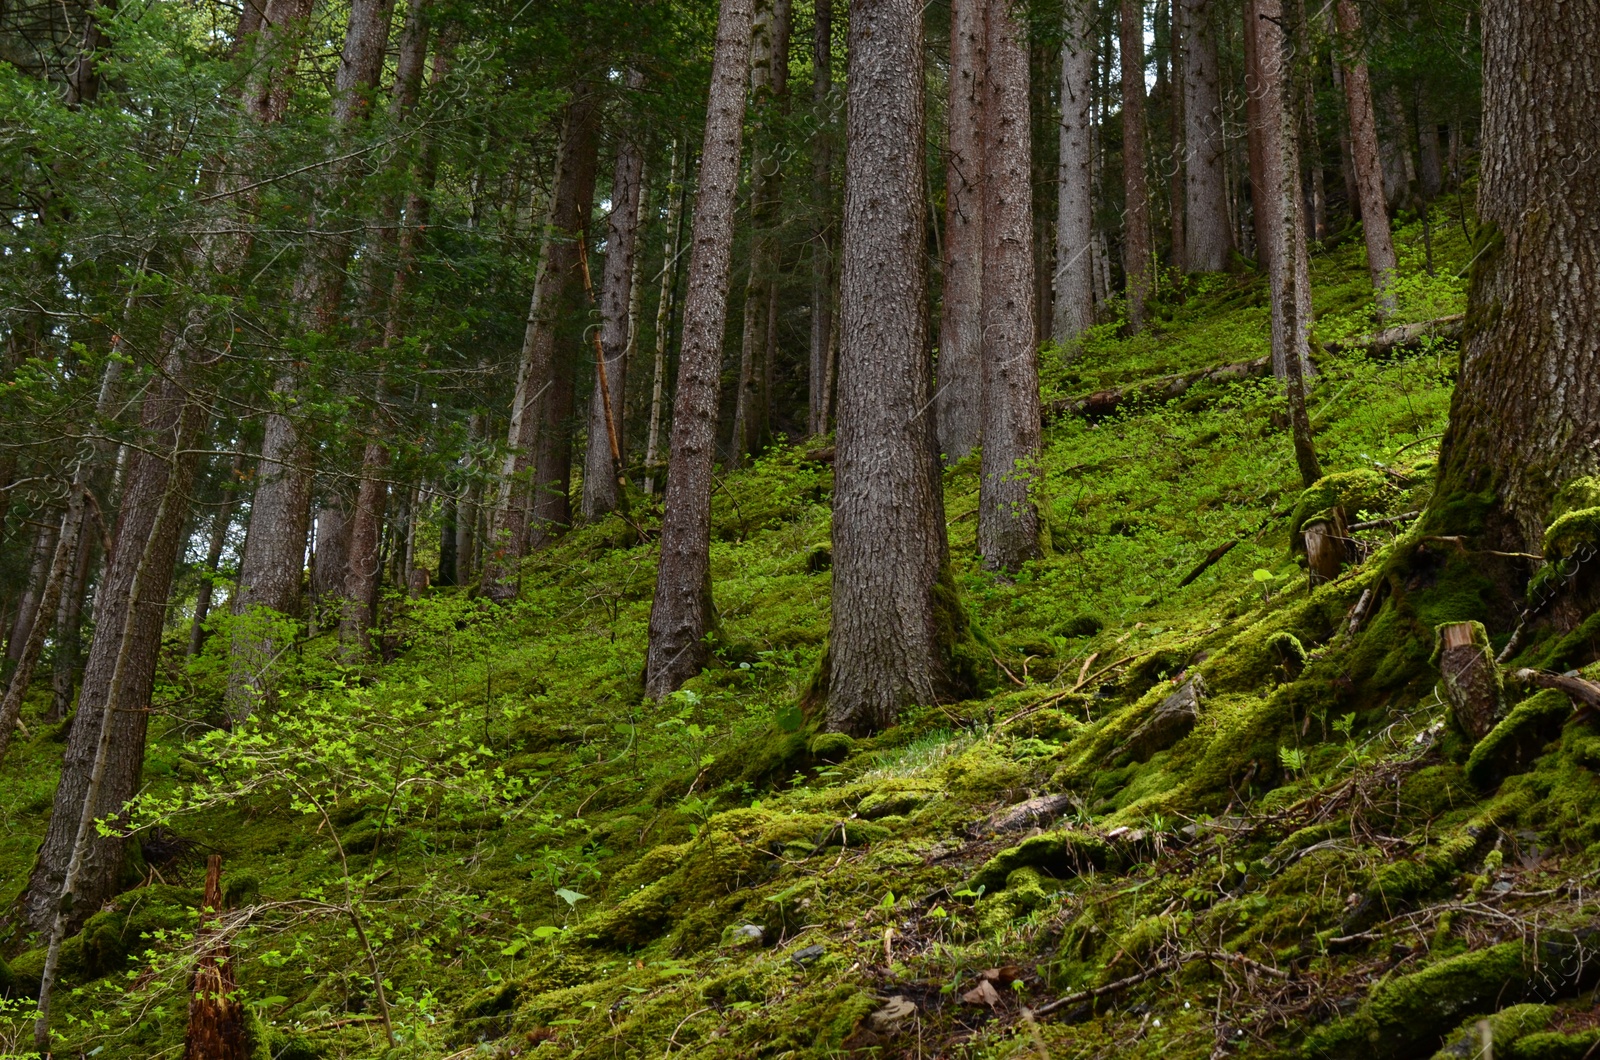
769	68
1261	225
364	566
1209	239
1177	191
44	546
1279	202
58	573
676	187
1525	418
960	394
1136	250
823	236
544	385
616	288
889	550
1074	279
146	536
1471	679
216	1016
1367	163
69	632
682	614
1008	520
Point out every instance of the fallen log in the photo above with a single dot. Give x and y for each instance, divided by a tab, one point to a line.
1402	337
1103	403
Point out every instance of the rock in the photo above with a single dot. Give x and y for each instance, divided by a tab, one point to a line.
895	1012
807	956
746	933
1169	723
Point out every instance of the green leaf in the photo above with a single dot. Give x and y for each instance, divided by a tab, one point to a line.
569	896
1261	574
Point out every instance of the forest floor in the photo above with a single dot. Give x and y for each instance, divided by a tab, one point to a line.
1184	820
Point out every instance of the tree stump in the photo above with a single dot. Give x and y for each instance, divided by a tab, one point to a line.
1471	681
216	1018
1324	550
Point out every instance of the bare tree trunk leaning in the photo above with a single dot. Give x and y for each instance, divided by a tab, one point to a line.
682	612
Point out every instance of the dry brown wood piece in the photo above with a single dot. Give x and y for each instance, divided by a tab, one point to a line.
216	1017
1585	692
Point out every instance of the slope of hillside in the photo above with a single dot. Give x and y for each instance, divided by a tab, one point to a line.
1202	810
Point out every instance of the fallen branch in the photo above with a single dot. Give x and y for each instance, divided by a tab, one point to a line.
1374	524
1159	969
1162	388
1586	692
1403	336
1211	558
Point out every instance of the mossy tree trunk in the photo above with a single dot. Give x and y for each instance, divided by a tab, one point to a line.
1526	414
889	547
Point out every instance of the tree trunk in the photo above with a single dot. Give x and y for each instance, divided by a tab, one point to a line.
960	371
1255	128
1008	519
677	183
1137	261
216	1015
616	287
220	524
56	575
1209	234
682	613
364	567
1074	306
270	571
122	655
892	598
1368	163
28	609
468	509
769	65
542	405
822	239
1289	269
69	632
1177	184
1525	419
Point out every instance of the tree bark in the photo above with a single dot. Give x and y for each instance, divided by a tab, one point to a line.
1289	271
960	371
1008	518
364	567
1525	419
69	631
889	644
216	1015
1136	250
1209	239
616	288
220	524
1074	305
28	609
677	183
823	237
682	612
56	575
1255	128
769	66
532	503
330	557
1367	162
1177	183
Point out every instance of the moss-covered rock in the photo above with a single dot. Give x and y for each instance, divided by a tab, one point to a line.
1354	491
1061	854
1504	1028
1518	739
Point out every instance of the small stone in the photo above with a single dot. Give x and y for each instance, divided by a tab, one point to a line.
750	931
807	955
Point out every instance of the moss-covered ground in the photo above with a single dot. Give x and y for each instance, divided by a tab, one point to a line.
1298	856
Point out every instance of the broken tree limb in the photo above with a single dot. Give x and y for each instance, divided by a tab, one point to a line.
1375	524
1222	550
1159	969
1585	692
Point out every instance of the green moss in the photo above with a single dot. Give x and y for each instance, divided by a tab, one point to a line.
831	746
1354	491
1518	739
1061	854
1572	532
1553	1045
1508	1025
1025	890
1576	494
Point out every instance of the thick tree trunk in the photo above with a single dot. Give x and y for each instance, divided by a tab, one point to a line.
682	613
677	184
1255	128
330	558
1525	419
1367	162
823	236
122	655
769	65
960	373
616	289
1177	193
1074	286
1137	260
542	405
1209	235
1008	518
890	639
